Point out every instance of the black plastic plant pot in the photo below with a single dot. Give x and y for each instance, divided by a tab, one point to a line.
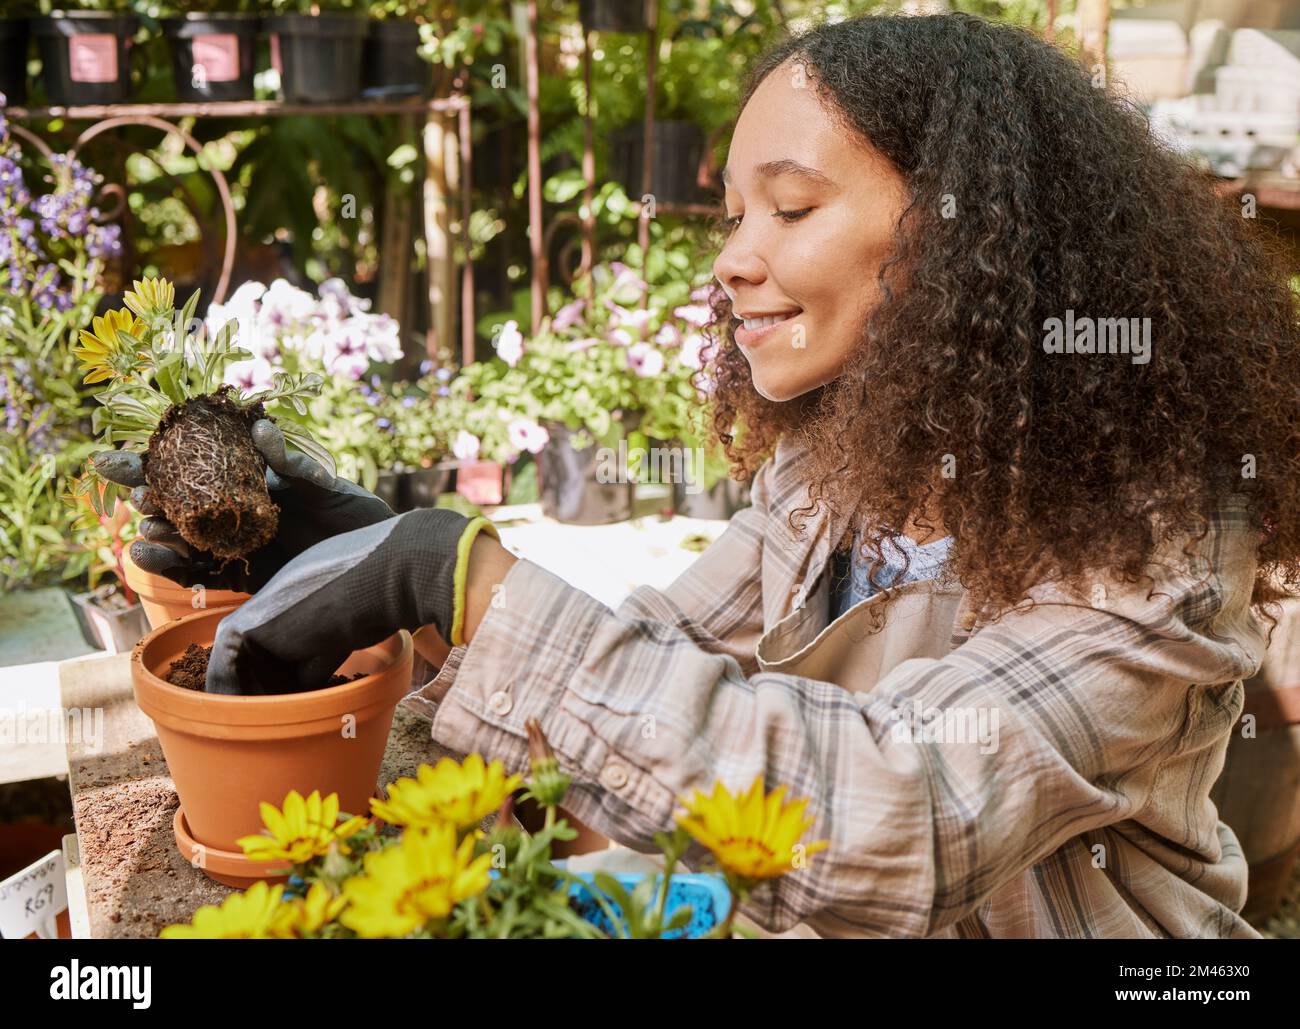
391	65
719	502
569	487
13	61
388	489
86	56
423	486
612	15
678	147
213	55
318	56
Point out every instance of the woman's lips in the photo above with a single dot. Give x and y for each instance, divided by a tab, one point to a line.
751	337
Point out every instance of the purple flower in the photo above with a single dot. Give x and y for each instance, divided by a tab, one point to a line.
568	315
426	366
409	401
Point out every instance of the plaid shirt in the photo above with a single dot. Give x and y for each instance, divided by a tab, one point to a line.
1080	810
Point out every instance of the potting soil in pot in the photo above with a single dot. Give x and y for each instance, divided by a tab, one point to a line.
190	670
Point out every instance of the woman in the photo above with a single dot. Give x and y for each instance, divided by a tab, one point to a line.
948	224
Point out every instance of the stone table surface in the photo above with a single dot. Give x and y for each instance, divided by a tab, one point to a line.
136	881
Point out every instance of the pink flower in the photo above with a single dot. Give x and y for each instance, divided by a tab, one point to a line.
510	343
465	447
668	335
577	346
620	336
526	434
568	315
645	359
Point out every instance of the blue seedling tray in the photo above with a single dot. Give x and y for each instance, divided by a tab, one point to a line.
706	894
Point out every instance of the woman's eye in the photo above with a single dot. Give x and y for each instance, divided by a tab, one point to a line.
785	216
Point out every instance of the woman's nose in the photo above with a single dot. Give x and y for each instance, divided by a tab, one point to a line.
739	261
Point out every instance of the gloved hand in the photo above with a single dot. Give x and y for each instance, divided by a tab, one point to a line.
350	591
314	505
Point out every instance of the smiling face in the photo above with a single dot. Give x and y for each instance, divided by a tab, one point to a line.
812	210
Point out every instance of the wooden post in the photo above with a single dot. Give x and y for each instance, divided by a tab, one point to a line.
467	269
395	240
647	153
1094	26
588	169
437	237
535	228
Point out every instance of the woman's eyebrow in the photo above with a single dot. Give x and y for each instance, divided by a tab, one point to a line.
786	166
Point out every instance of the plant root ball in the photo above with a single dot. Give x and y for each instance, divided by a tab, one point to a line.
208	479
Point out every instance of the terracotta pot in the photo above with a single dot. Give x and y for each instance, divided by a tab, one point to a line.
226	754
164	600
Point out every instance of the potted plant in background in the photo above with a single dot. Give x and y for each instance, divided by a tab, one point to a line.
391	63
110	615
332	335
612	15
213	45
86	52
421	425
317	55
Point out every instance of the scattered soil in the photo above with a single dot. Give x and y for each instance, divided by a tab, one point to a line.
207	477
190	671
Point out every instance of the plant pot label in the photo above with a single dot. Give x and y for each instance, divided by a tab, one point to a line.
480	482
93	58
216	58
31	900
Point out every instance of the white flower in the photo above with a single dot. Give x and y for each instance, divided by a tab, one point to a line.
383	337
526	434
645	359
510	343
251	376
621	336
668	335
693	353
465	446
698	315
286	308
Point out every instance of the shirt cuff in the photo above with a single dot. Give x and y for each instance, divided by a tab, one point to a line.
529	653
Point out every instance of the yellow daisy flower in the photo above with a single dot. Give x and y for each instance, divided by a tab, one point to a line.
151	298
303	830
753	835
103	353
461	794
316	910
419	879
256	914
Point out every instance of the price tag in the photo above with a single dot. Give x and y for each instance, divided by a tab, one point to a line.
31	900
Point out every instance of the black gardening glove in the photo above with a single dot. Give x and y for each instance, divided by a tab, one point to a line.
348	592
314	505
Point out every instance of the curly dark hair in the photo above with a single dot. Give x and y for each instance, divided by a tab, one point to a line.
1065	202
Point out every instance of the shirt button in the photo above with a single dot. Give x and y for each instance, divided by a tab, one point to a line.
499	703
614	776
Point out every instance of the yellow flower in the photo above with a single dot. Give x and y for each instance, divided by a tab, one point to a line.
753	835
461	794
103	353
256	914
314	911
419	879
303	830
151	298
